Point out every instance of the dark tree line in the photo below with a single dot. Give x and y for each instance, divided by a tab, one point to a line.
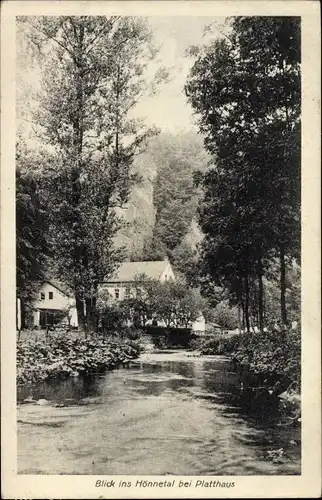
245	89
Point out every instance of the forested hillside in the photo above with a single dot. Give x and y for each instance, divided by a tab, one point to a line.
162	209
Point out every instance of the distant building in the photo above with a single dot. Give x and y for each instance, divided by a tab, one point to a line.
161	270
125	275
199	325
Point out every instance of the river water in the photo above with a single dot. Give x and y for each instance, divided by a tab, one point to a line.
168	413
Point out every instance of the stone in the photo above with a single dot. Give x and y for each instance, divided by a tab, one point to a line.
43	402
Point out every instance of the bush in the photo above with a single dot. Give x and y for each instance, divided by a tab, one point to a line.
217	345
225	315
130	333
275	354
165	338
113	318
66	354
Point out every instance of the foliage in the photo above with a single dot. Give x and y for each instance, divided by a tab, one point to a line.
276	353
184	259
174	159
142	300
93	74
245	88
112	318
225	315
217	345
112	315
292	292
31	242
174	195
67	354
170	302
170	337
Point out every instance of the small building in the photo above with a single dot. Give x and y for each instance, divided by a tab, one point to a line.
55	304
199	326
211	328
127	272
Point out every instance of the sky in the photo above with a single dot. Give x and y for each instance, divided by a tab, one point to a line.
168	110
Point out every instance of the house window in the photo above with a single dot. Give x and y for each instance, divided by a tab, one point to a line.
42	296
51	295
117	293
166	277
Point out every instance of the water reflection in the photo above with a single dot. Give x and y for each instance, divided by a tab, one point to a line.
169	413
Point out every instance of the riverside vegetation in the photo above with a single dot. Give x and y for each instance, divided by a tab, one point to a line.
63	355
270	361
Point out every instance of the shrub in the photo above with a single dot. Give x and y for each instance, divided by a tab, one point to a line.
225	315
275	355
220	344
67	354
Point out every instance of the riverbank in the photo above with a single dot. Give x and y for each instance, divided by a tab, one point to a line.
63	354
269	362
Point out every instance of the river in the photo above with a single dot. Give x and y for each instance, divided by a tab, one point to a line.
168	413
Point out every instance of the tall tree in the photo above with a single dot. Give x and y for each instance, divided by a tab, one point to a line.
93	74
31	242
246	90
278	87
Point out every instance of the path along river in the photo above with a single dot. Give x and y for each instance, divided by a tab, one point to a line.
168	413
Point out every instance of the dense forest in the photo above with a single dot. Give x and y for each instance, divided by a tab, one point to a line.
162	211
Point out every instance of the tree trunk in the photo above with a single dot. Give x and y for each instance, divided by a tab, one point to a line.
89	313
239	318
75	177
251	321
91	316
23	314
247	305
80	314
283	285
260	296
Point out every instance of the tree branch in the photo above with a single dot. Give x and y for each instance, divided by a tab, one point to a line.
44	32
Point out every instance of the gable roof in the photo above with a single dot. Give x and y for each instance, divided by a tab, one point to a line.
127	271
60	286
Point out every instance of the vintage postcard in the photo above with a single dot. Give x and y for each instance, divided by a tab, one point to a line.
160	249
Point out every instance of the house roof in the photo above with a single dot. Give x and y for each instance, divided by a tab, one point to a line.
127	271
211	326
60	286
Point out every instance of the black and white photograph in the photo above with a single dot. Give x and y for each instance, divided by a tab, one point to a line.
158	224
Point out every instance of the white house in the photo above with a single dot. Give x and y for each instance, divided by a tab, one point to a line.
199	325
123	277
53	299
160	270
